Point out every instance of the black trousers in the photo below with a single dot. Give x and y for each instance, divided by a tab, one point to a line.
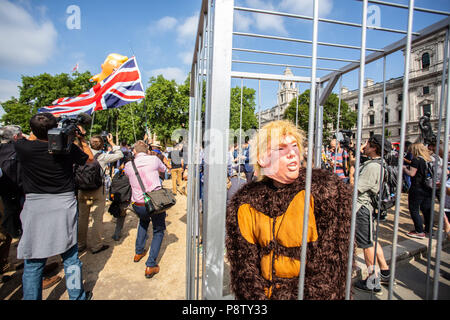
419	200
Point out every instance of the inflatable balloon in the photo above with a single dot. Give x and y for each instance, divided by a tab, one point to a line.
112	62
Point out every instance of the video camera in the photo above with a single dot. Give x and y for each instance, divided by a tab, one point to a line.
60	139
345	138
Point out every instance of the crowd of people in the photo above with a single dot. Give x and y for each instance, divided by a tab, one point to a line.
49	198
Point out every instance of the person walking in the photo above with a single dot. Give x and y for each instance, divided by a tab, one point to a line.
148	168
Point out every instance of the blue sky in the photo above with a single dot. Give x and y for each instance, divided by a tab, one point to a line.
35	37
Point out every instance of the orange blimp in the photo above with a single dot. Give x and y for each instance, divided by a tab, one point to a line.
112	62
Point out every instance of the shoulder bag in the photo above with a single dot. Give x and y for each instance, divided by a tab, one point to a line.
157	201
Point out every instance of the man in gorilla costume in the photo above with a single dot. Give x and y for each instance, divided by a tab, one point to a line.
264	224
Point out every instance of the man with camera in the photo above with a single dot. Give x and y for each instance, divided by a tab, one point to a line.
49	215
92	201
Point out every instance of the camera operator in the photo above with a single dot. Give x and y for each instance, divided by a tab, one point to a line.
92	202
49	215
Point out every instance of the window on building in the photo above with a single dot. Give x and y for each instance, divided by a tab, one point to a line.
371	119
399	115
425	60
356	106
371	103
426	108
386	117
400	97
386	100
426	90
371	133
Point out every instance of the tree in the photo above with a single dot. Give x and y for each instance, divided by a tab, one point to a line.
249	120
40	91
330	111
167	107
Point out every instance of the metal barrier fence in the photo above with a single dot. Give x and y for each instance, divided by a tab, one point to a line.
209	113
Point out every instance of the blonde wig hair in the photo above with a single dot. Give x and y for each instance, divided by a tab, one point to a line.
419	149
269	137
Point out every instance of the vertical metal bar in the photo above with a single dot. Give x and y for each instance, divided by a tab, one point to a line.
337	122
380	192
312	103
296	109
362	66
438	138
240	131
319	128
216	150
442	193
405	106
259	105
190	195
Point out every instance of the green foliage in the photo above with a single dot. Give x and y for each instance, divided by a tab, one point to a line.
330	111
249	120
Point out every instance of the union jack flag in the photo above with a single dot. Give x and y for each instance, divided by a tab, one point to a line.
119	88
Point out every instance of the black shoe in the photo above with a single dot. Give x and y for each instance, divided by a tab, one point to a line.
362	286
103	248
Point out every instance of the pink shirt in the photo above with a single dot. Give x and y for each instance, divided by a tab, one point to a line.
148	167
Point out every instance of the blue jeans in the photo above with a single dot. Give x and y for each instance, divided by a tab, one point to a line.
32	276
159	225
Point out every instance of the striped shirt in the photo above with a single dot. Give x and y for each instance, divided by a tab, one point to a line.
339	159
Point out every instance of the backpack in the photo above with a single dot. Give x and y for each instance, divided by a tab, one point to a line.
388	188
430	173
119	193
120	190
89	176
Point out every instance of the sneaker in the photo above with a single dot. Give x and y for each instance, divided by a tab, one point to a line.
417	235
362	286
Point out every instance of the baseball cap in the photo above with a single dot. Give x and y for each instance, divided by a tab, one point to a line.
378	139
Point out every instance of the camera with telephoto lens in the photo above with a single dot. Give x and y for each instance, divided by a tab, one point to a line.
345	138
60	139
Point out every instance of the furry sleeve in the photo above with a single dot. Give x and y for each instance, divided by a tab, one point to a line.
326	270
247	282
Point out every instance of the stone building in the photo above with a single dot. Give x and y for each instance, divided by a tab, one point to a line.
287	90
426	64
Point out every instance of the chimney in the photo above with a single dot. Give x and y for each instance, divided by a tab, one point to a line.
369	82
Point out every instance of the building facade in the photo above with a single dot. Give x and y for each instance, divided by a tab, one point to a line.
426	66
424	92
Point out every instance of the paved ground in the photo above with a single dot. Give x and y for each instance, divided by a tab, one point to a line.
112	274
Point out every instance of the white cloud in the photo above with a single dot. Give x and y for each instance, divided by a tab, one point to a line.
170	74
186	56
8	89
188	29
305	7
242	22
166	23
25	42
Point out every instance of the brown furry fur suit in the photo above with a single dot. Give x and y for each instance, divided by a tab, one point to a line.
326	261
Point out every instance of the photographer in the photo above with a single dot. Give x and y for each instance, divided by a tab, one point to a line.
49	215
92	201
